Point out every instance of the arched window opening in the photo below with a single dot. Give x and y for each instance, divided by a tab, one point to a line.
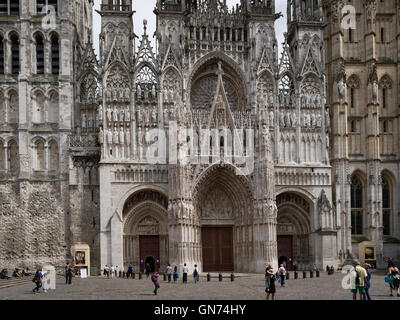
55	55
2	160
38	105
386	206
356	206
13	157
13	107
40	156
54	156
2	69
53	108
39	54
15	65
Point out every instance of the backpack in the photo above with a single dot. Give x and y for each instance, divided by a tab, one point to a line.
153	278
357	279
281	271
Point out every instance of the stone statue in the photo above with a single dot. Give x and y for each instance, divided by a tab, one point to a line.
121	136
108	95
127	94
153	116
282	119
327	119
271	118
127	114
294	119
153	91
319	121
307	120
341	89
374	91
128	136
109	137
166	116
139	92
288	120
84	121
109	114
313	120
115	115
327	142
115	136
100	113
101	135
265	133
140	115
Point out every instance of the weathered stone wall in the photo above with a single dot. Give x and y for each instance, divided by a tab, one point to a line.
32	228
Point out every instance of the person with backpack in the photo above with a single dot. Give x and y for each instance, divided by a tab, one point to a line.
156	283
129	272
37	279
196	274
176	274
360	276
271	288
282	275
395	274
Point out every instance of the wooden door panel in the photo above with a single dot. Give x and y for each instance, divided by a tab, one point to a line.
217	249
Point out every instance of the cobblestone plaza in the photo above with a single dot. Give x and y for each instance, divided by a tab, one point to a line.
245	287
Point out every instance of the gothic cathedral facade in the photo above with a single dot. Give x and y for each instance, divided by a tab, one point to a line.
209	147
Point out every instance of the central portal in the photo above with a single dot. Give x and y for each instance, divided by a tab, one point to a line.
217	249
149	252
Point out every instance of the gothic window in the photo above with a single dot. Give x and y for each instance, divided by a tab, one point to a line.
39	156
89	88
385	85
265	85
146	84
171	81
9	7
352	97
13	156
15	64
2	55
2	162
356	206
350	35
54	155
353	126
2	109
386	206
55	55
39	46
53	108
353	84
13	108
286	86
40	4
38	107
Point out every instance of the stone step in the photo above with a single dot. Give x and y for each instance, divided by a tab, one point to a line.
13	282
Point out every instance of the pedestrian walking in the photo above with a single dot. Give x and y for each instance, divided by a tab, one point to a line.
176	274
156	283
112	269
185	273
196	274
169	272
107	271
360	276
395	275
271	288
367	267
282	275
389	277
267	268
147	270
37	279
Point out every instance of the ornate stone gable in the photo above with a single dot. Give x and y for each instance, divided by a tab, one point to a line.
310	65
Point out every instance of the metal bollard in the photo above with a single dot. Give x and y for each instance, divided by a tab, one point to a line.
208	277
120	273
165	277
287	275
123	274
220	277
304	275
133	275
232	277
317	273
311	274
140	275
296	275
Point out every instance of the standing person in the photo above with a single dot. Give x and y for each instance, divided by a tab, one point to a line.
169	272
130	272
196	274
66	273
295	265
268	267
147	270
69	274
154	278
176	274
360	275
282	275
37	279
390	274
396	280
271	289
185	273
368	280
112	272
107	271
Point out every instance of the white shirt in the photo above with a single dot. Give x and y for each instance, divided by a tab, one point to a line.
169	270
185	269
112	269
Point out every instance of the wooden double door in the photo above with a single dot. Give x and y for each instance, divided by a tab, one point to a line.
217	245
149	252
285	250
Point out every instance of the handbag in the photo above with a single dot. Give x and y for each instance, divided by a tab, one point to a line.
388	279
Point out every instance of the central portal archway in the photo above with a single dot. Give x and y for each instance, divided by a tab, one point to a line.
223	203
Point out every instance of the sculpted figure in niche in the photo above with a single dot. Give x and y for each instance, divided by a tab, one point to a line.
109	114
153	115
319	120
84	121
109	137
294	119
265	133
128	136
127	114
139	92
282	119
341	89
271	118
153	91
101	136
288	120
115	114
313	120
121	136
115	136
121	115
100	113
